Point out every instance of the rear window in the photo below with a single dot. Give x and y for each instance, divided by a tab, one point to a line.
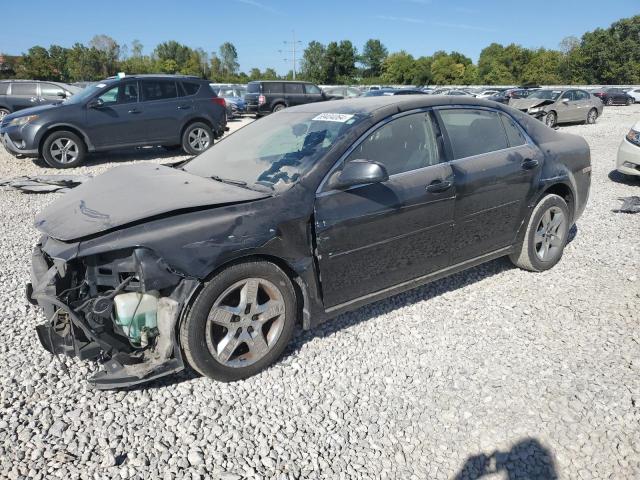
190	88
473	132
311	89
50	90
293	88
253	87
275	87
158	90
24	89
3	88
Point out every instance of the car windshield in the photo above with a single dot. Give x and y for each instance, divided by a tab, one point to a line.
546	94
84	94
273	153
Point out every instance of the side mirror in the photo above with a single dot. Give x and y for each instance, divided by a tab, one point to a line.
358	172
61	94
565	100
95	103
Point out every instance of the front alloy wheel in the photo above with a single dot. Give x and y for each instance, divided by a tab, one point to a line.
550	119
241	321
63	149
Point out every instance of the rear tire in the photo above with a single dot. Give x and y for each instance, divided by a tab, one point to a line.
546	235
197	137
592	116
64	149
241	321
630	101
278	107
3	113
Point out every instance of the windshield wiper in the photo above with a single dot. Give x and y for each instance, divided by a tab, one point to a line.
239	183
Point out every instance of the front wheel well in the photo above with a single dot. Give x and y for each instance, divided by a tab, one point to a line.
62	128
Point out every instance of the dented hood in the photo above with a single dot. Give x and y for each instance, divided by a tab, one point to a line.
132	193
526	103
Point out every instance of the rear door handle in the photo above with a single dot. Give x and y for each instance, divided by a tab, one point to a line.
530	164
134	111
439	186
184	107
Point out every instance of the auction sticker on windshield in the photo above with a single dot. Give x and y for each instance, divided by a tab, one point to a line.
333	117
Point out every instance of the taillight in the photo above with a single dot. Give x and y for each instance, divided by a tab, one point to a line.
262	100
220	101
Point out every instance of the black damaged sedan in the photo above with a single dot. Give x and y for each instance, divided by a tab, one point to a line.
293	219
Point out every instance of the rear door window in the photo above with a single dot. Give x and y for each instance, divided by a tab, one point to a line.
272	88
581	95
50	90
311	89
4	87
514	134
24	89
190	88
158	90
473	132
295	88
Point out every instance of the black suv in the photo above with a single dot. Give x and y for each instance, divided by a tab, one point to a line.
168	110
272	96
19	94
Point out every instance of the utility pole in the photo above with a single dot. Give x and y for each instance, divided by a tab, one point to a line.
292	51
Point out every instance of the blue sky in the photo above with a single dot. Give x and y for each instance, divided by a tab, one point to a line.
258	27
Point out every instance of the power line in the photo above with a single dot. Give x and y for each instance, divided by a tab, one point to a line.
292	51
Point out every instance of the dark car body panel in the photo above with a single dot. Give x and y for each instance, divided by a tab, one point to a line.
280	92
43	93
344	248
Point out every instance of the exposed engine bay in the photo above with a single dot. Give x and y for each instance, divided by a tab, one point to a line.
120	309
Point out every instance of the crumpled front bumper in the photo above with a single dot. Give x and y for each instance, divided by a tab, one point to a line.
67	332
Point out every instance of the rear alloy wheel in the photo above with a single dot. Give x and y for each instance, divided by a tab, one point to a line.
550	119
3	113
278	107
241	321
609	101
64	150
546	235
592	116
196	138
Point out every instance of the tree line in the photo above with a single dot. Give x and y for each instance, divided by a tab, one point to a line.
603	56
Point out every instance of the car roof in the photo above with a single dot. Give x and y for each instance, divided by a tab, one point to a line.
280	81
158	75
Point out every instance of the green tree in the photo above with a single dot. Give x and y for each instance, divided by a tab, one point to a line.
229	59
37	64
422	71
543	68
255	74
346	61
312	67
269	74
108	50
372	58
398	68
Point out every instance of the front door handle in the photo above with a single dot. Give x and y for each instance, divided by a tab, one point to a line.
134	111
530	164
184	107
438	186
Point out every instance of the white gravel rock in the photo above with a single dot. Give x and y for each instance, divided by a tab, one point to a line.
491	369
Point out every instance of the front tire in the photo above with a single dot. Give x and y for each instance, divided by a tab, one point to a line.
546	235
609	102
3	113
197	137
241	321
551	119
64	149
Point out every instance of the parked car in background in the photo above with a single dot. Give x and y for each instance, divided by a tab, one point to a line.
499	97
342	92
20	94
292	220
628	161
516	93
614	96
234	98
487	93
635	93
560	106
168	110
267	96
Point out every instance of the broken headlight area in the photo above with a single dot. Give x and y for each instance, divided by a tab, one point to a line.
119	308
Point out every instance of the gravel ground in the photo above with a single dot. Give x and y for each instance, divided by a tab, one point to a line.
492	370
